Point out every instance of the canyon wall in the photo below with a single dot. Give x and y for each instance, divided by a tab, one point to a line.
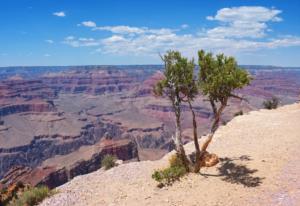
58	114
54	176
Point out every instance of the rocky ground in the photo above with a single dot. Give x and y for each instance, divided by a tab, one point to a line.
259	165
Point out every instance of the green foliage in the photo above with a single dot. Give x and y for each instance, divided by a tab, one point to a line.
179	76
178	85
109	161
271	103
219	76
31	196
238	113
169	175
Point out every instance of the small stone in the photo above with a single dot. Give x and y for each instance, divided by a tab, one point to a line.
119	162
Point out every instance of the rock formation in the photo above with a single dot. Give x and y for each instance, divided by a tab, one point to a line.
54	175
51	113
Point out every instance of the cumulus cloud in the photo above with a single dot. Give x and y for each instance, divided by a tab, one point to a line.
240	29
88	24
59	14
246	14
244	21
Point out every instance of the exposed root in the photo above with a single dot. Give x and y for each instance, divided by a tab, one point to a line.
209	160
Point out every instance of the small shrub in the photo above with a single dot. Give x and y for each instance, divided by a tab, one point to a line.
169	175
271	103
108	162
9	193
175	161
238	113
32	196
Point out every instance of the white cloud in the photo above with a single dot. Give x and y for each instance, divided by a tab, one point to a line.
49	41
122	29
114	38
210	18
244	21
47	55
80	42
246	14
59	14
88	24
241	29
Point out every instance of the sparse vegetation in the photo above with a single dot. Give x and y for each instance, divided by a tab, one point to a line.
169	175
31	196
108	162
271	103
10	192
219	76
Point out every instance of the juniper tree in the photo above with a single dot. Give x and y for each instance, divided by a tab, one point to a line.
190	91
179	86
218	78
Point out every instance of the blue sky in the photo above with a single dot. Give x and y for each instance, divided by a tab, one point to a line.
81	32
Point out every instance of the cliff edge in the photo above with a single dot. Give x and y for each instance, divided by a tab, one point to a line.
260	164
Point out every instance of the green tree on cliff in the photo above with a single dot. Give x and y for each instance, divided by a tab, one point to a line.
219	77
178	85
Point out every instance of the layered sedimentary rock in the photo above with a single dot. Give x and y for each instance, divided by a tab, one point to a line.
54	174
96	82
61	113
64	137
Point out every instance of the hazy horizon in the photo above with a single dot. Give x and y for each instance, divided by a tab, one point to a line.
92	65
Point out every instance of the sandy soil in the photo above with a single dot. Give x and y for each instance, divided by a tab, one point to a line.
260	166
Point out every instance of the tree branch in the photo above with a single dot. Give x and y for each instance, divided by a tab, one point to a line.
213	106
238	97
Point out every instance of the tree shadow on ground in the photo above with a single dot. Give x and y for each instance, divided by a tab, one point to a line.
237	173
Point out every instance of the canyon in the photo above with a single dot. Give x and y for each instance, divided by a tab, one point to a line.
59	122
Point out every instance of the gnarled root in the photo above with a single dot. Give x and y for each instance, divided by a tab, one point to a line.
209	160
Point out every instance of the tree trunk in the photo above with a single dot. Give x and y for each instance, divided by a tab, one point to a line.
214	128
178	141
213	106
196	143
